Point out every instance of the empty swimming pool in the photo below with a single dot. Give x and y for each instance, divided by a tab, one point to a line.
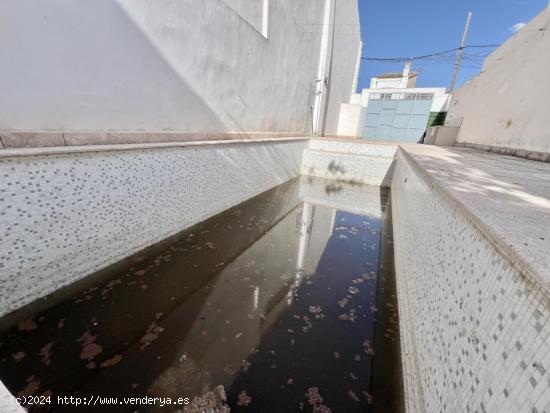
283	303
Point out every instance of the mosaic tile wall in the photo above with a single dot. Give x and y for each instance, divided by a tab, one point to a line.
65	216
365	163
475	331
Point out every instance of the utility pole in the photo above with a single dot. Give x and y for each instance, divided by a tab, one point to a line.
460	53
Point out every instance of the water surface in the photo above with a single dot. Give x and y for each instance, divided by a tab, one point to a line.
287	301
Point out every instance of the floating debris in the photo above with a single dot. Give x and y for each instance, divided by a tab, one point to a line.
315	399
313	396
151	335
17	357
353	396
343	302
33	384
45	354
27	325
244	399
90	349
315	309
368	347
353	290
112	361
350	316
246	365
368	396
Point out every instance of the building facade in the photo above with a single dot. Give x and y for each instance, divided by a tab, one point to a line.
216	66
505	107
394	109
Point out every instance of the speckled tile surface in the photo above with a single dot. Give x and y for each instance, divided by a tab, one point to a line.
64	216
508	197
475	329
365	163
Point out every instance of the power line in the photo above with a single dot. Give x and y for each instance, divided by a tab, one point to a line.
444	53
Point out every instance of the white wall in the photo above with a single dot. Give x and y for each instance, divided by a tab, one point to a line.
385	83
167	65
440	102
342	62
507	105
352	119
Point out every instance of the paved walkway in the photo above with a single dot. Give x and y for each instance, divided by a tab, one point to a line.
509	199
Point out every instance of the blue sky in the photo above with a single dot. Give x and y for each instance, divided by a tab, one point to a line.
394	28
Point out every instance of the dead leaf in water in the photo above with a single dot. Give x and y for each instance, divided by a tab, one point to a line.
244	399
45	353
353	396
27	325
17	357
112	361
33	384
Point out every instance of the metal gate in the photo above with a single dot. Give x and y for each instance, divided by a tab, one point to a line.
397	116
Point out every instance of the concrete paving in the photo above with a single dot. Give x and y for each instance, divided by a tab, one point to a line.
508	199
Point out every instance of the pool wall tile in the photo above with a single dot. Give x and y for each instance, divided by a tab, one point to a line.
474	327
63	216
359	162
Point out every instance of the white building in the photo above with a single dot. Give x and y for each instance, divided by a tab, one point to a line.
393	108
217	66
404	80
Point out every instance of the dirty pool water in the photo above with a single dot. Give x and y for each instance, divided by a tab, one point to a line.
286	300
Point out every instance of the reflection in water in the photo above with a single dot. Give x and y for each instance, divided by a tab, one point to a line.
274	299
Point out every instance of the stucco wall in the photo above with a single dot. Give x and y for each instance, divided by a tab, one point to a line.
66	215
342	64
507	104
474	327
177	65
352	120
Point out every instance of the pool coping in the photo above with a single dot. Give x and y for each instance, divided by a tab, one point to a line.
55	150
490	232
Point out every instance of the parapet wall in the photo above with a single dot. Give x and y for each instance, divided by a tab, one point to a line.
68	212
474	325
505	107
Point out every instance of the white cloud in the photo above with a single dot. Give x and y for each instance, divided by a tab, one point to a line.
517	27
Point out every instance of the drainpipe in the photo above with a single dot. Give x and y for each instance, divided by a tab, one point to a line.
328	79
321	72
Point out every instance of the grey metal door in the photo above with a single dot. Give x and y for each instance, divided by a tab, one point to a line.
397	116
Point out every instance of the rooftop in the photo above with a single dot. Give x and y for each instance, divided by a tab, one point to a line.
395	75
